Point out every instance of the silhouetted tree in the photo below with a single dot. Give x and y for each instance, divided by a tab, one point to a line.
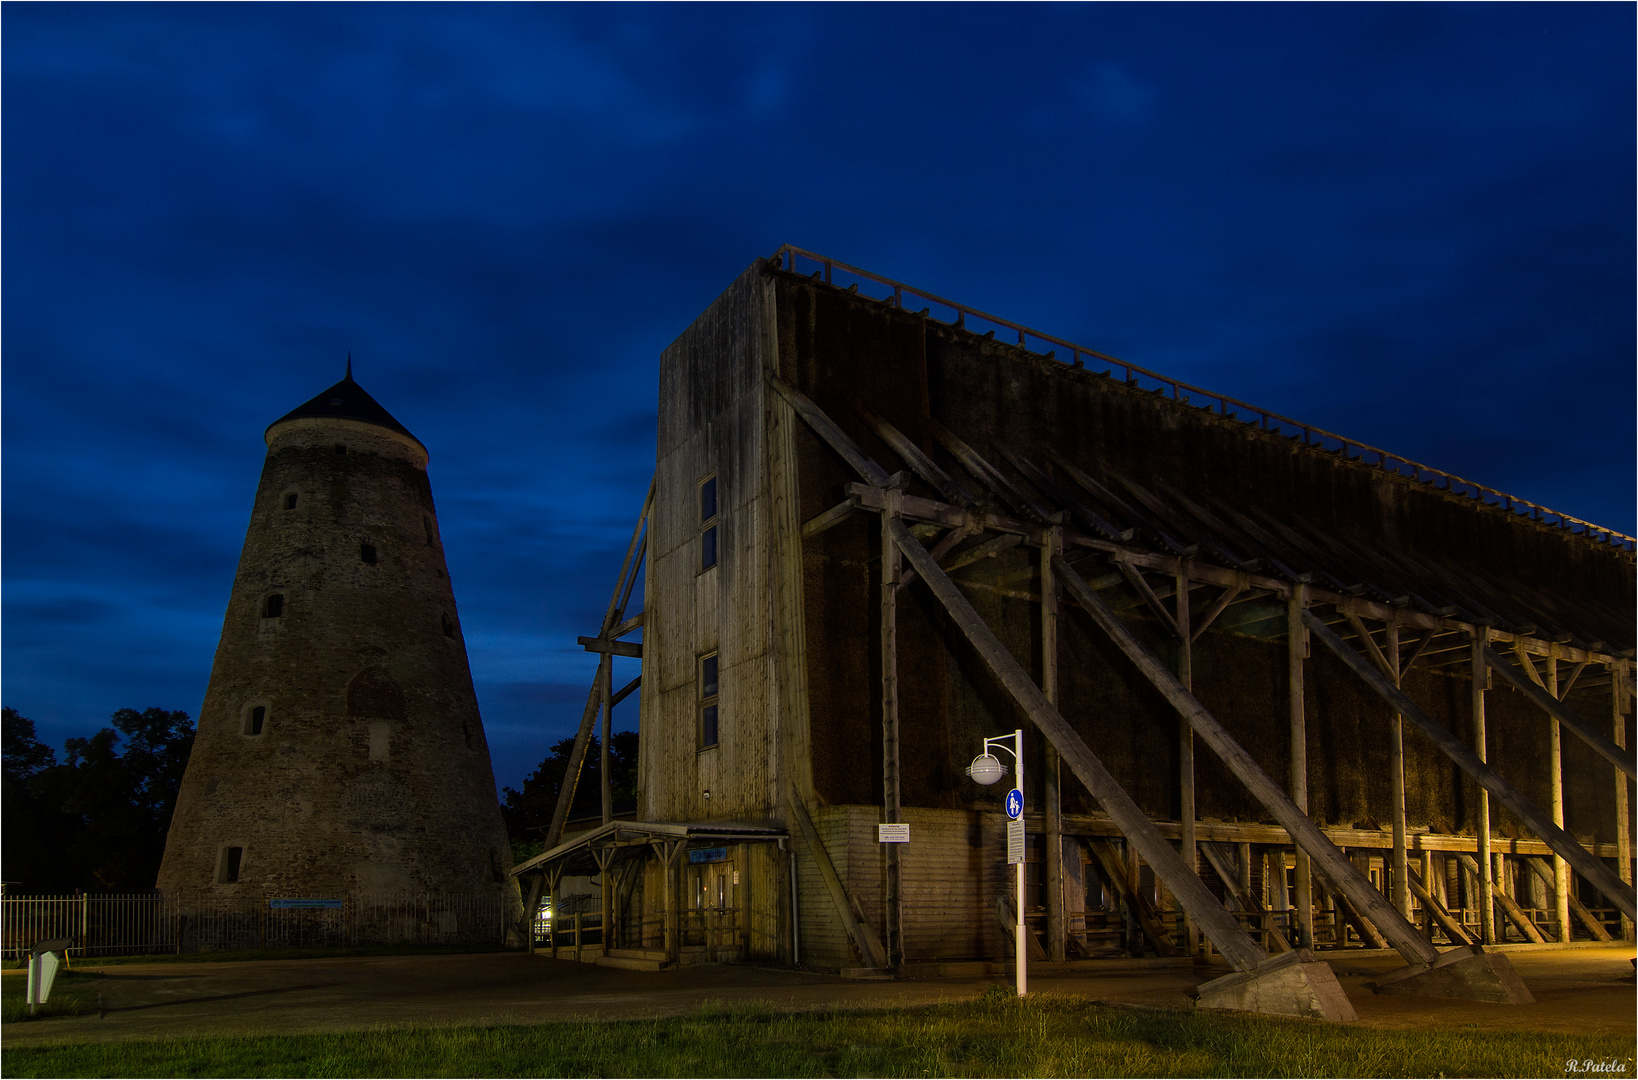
97	820
529	812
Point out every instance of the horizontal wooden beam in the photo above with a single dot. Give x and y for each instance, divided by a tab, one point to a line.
1258	833
617	648
826	519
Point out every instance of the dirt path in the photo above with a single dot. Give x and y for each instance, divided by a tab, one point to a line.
1582	990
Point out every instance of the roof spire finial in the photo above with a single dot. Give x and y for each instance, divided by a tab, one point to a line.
349	365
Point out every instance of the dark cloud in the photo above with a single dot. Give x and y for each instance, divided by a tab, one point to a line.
1408	223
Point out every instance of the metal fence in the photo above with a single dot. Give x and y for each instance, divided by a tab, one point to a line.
113	924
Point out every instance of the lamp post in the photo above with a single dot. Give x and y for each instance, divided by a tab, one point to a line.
986	769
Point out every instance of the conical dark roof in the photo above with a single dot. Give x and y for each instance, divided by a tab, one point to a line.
346	400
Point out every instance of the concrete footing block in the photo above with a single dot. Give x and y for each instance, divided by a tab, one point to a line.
1291	984
1467	972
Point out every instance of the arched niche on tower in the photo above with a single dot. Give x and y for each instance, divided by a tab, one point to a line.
374	695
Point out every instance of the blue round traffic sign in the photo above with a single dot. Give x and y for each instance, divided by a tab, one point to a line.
1015	803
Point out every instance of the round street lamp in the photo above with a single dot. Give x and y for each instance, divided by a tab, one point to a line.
986	769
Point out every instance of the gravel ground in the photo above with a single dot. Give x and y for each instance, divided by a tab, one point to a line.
1584	990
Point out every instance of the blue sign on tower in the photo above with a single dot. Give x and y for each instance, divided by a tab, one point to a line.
1015	803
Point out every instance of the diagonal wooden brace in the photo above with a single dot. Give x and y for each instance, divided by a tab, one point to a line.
1587	865
1235	944
1621	758
1332	863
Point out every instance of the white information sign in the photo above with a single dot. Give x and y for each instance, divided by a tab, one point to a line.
893	834
1015	842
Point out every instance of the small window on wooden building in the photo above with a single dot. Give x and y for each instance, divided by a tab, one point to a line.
366	552
273	606
708	702
255	719
708	523
228	864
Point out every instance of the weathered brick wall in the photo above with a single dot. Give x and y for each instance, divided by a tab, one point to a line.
371	772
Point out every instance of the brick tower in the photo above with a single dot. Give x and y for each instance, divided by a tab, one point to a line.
339	748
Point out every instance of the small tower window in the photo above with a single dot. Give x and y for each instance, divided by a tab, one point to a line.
708	523
426	523
341	448
228	864
366	552
290	500
708	701
449	626
255	719
273	606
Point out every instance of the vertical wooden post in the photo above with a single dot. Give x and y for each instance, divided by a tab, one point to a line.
1396	766
892	564
1242	870
1057	932
1296	653
551	907
1274	881
605	671
1621	701
1185	748
670	865
1427	883
1134	879
531	906
1555	774
605	863
1481	678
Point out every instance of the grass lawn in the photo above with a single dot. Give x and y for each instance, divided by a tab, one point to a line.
73	993
996	1035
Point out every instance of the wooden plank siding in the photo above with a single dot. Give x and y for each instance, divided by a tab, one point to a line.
712	424
797	634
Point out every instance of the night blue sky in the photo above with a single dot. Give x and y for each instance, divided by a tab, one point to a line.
1412	224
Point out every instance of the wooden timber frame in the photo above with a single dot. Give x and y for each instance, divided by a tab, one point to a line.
616	851
601	700
1046	530
1155	571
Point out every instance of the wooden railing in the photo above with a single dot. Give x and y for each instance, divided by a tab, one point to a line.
897	294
